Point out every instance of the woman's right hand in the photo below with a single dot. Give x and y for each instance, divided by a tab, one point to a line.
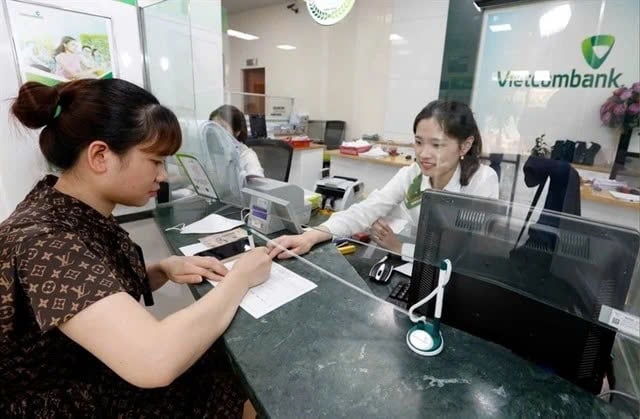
298	244
253	266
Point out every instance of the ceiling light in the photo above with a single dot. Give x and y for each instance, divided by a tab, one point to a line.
242	35
395	37
164	63
286	47
500	28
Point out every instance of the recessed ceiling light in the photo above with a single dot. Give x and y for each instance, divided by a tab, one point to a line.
286	47
500	28
242	35
395	37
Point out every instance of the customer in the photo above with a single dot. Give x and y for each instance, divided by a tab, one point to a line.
75	341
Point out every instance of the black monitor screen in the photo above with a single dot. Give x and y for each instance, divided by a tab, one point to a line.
258	126
540	297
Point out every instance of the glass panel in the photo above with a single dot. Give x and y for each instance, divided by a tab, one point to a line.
549	268
169	72
279	113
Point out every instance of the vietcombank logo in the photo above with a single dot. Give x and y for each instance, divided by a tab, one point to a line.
603	43
595	50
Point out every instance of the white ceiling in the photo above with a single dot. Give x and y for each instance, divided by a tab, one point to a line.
236	6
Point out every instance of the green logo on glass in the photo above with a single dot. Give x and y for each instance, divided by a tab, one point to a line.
600	43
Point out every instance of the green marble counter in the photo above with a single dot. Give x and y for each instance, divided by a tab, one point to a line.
334	353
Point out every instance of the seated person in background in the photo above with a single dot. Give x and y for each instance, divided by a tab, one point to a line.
233	120
447	147
75	340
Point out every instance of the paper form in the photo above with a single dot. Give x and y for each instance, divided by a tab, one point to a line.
281	287
405	269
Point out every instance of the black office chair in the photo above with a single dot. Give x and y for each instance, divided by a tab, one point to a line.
274	155
334	134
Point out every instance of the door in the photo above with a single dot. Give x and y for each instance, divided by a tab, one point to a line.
253	79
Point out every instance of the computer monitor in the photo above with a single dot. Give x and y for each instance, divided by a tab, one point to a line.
540	298
258	126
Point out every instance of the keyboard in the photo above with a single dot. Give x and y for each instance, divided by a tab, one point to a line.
400	295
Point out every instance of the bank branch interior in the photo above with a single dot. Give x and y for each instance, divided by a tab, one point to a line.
447	193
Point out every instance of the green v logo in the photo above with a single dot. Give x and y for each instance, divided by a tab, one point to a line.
596	49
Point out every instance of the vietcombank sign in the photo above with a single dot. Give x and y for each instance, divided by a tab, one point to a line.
546	67
595	50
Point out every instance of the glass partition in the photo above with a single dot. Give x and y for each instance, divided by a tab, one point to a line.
173	31
562	240
554	288
278	111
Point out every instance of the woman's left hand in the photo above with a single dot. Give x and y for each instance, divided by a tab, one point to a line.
385	237
193	269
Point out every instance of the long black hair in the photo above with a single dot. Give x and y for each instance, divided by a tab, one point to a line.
235	118
457	121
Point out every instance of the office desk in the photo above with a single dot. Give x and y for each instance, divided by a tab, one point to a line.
601	205
374	171
334	352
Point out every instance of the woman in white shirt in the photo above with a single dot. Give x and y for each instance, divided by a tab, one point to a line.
447	147
233	120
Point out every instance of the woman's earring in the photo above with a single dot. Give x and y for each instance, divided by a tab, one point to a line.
462	157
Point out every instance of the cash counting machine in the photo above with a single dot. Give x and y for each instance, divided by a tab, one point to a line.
341	192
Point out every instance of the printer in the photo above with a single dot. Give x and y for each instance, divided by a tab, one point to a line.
340	192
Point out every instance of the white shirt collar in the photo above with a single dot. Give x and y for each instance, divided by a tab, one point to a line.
452	186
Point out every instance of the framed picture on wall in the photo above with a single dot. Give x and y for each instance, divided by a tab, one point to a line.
54	45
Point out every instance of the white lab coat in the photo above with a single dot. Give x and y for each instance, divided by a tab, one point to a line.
381	203
249	163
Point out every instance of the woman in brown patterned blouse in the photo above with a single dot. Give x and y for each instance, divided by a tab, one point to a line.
74	340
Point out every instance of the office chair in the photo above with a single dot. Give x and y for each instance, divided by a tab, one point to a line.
333	137
563	196
274	155
334	134
495	160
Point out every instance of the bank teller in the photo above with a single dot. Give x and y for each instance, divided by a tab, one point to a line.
233	120
447	147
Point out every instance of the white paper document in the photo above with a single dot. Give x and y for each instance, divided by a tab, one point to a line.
281	287
405	269
625	196
210	224
396	224
192	249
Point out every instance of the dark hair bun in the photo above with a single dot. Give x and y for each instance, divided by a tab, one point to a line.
115	111
36	104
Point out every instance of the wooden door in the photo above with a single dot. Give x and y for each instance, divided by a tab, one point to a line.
254	83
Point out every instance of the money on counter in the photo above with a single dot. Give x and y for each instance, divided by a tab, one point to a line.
220	239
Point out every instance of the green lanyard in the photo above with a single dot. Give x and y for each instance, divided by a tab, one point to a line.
413	195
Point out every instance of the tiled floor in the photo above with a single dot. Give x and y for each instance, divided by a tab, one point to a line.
171	297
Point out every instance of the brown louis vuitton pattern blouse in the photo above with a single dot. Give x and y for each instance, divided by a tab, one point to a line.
57	257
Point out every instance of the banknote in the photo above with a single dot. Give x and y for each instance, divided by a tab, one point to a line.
220	239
